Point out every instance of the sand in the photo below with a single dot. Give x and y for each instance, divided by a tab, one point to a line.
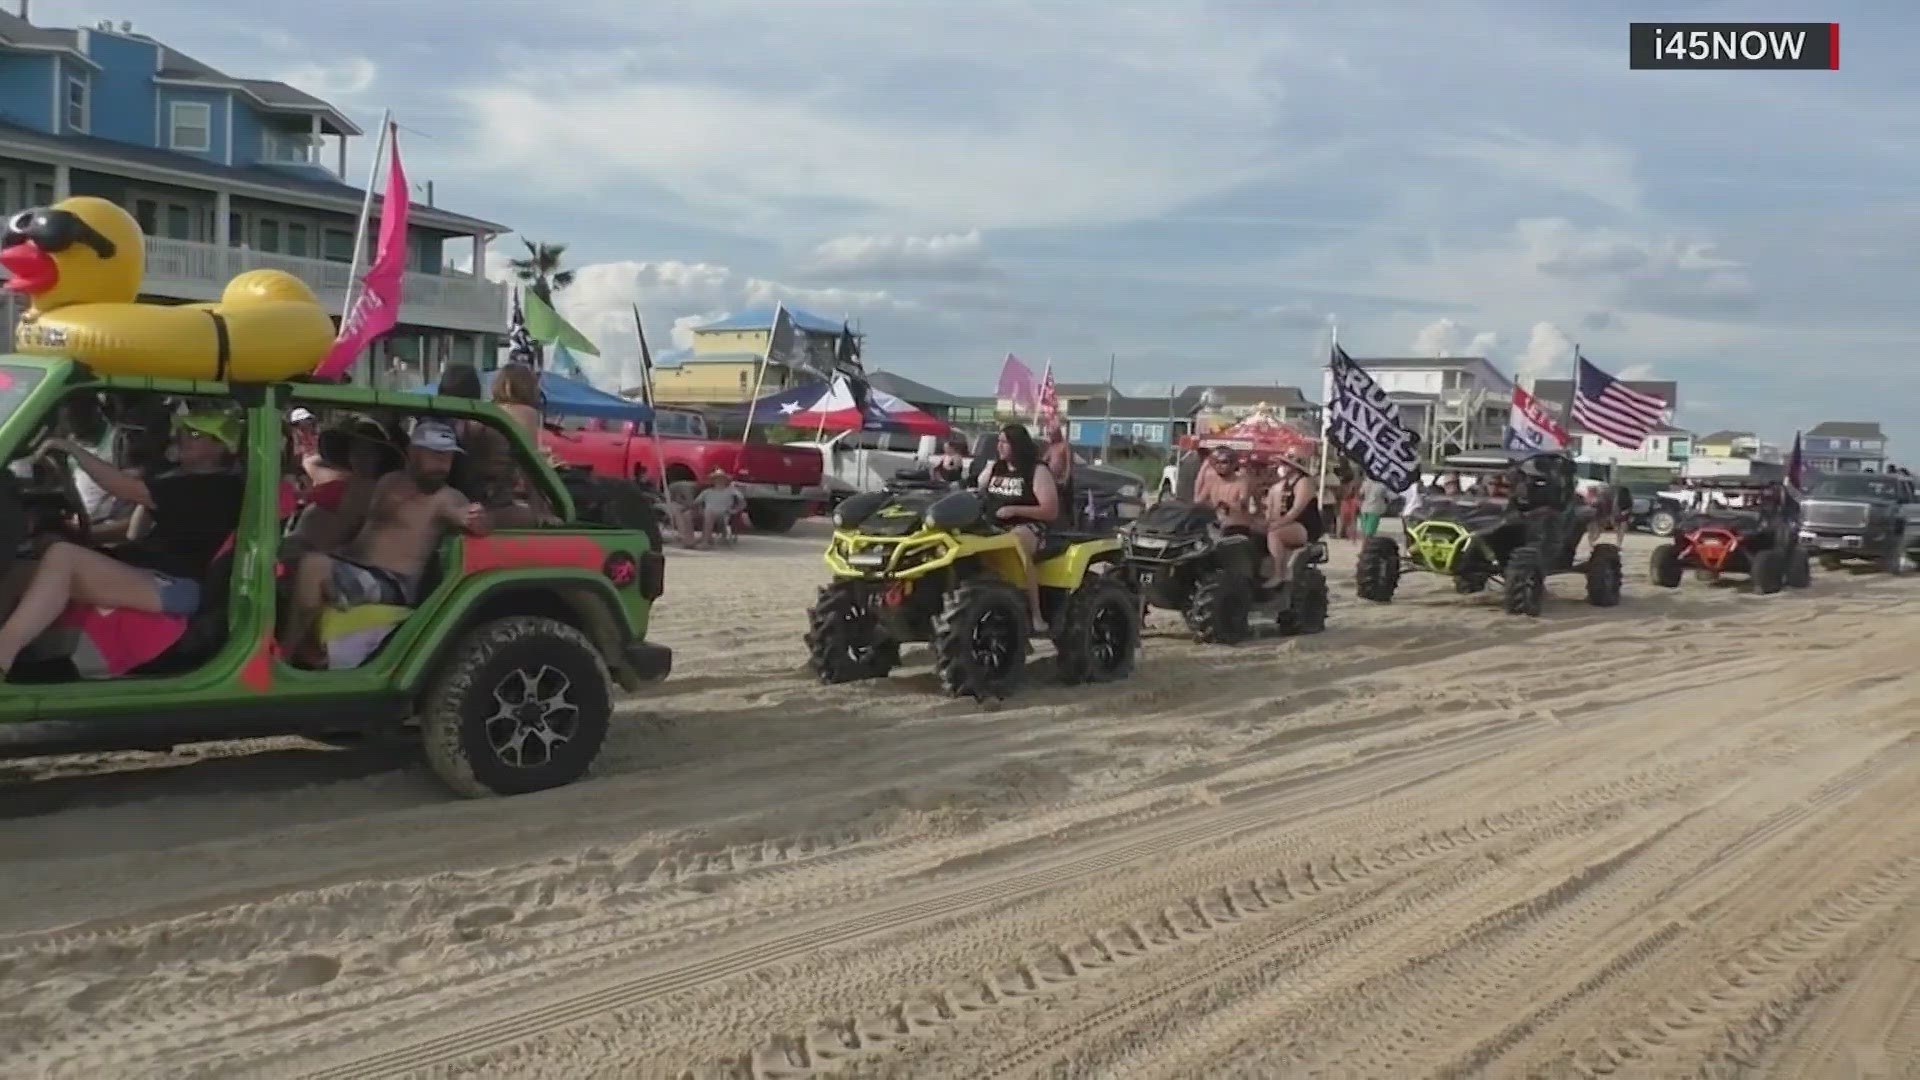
1673	838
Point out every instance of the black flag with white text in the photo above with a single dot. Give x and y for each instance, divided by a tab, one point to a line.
1364	423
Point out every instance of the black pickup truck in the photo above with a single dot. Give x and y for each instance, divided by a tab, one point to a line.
1862	517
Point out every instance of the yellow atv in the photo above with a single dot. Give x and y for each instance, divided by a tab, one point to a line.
927	563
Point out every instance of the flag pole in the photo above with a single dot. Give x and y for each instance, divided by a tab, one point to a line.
366	216
646	388
1573	391
1106	438
761	375
1326	450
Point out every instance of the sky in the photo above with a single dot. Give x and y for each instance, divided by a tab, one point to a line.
1201	191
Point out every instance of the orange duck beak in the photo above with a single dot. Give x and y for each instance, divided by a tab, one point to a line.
33	270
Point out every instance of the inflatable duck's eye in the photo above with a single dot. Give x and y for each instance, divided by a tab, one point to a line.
58	230
18	226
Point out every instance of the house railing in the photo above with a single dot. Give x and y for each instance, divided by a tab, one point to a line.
186	270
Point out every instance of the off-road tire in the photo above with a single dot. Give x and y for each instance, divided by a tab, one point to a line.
1895	562
1377	574
1664	568
1469	584
1604	576
1306	611
777	518
1524	583
1767	572
1799	569
1219	609
1098	598
845	642
1662	523
960	672
460	700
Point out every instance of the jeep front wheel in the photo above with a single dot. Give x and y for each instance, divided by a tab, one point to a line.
521	706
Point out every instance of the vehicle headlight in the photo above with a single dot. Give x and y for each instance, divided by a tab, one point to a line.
1129	491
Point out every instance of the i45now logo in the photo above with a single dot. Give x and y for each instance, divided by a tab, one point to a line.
1734	46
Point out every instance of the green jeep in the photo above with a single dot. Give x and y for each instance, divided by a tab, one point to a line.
504	666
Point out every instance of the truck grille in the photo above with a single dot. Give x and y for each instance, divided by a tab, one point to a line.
1835	515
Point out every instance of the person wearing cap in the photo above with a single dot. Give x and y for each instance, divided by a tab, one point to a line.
303	431
718	502
410	510
1293	517
180	521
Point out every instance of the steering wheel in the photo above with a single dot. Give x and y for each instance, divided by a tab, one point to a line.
55	495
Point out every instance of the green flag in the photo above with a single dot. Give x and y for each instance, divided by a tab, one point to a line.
545	324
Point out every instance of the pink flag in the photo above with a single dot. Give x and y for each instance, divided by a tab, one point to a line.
377	307
1016	385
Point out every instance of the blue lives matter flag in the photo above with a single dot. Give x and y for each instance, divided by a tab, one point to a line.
1364	424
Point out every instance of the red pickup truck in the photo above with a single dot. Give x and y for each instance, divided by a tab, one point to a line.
781	483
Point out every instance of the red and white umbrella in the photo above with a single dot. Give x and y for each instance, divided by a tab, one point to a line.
831	407
1263	435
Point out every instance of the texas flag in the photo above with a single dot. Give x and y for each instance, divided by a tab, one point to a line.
1530	426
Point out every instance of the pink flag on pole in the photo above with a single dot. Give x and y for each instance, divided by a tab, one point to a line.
1016	385
377	308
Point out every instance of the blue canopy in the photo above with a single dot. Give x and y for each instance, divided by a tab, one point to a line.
570	397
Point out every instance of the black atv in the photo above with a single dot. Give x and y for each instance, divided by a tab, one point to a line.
1518	540
1180	559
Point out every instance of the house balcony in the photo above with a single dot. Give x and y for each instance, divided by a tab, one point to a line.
186	270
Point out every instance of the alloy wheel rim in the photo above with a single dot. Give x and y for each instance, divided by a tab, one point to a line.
534	716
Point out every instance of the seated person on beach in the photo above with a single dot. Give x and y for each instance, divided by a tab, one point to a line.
950	465
682	497
717	505
1029	502
353	457
487	470
1293	517
410	511
181	520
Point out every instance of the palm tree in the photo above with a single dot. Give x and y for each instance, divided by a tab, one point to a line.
540	270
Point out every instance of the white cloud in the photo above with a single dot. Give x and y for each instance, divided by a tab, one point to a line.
1549	354
1444	337
1605	174
346	78
942	256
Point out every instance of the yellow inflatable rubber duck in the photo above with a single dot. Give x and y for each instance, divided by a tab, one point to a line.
81	261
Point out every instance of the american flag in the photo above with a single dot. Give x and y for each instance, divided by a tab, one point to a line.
1047	410
520	348
1613	410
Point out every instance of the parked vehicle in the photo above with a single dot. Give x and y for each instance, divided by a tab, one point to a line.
1862	517
781	483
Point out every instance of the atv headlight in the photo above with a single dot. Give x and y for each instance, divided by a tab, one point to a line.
1129	491
853	511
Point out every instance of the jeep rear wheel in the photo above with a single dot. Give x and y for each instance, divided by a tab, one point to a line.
521	706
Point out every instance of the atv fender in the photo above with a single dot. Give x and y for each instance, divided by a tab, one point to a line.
1069	568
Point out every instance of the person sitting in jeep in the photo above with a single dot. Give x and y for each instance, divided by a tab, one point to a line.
181	520
411	510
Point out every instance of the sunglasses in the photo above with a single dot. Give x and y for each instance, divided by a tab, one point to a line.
54	231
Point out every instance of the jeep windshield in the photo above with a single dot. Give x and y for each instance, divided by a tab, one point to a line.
1853	487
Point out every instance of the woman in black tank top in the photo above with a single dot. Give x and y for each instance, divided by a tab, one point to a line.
1293	518
1027	501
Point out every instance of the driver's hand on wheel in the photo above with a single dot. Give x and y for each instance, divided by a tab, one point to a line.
1005	513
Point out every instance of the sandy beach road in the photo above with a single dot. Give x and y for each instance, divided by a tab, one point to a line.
1432	841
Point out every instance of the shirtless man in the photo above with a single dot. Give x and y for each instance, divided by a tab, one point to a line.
410	511
1225	488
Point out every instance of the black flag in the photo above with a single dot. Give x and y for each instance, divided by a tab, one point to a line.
1364	423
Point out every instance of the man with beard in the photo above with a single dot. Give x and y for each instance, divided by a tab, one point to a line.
408	513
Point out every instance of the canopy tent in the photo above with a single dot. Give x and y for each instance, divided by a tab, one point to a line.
571	397
1260	435
831	407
